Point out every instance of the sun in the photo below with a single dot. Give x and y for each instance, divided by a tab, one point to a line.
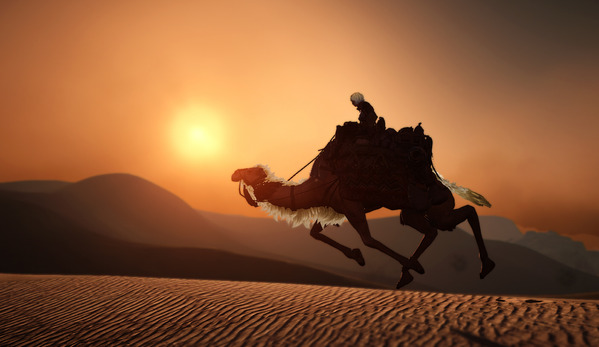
197	133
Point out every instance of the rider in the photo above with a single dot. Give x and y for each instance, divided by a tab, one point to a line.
364	131
367	116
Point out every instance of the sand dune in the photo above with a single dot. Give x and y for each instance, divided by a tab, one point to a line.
95	310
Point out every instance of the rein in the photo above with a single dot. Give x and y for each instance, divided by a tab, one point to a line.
311	161
300	170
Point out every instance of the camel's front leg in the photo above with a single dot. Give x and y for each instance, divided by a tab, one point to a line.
354	254
354	211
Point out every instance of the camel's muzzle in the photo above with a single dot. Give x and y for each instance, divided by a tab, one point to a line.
236	176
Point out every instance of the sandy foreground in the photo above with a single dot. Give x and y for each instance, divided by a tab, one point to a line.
103	310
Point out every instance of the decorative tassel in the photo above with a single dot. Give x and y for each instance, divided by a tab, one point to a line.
464	192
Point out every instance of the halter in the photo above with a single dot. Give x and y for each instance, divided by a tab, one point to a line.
246	195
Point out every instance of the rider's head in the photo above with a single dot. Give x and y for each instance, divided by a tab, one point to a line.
356	98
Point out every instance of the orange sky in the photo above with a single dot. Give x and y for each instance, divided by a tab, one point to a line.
508	93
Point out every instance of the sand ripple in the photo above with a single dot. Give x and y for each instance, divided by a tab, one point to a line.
103	310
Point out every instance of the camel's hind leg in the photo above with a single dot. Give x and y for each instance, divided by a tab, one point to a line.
457	216
354	211
417	221
354	254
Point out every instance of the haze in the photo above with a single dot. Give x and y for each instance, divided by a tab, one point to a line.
507	90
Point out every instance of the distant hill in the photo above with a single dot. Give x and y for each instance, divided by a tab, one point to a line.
40	234
123	224
124	207
451	263
562	249
591	242
132	209
551	244
34	186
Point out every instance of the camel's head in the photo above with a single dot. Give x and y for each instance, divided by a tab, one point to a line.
250	176
248	179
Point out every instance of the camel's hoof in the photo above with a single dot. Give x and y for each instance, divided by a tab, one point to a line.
416	266
356	255
487	266
405	279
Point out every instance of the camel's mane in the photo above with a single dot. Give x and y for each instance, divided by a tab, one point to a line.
271	177
323	214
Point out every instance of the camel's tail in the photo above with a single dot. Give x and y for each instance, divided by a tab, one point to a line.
464	192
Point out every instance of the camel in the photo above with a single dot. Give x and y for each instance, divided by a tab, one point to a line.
320	199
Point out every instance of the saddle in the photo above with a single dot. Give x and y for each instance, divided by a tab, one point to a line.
381	163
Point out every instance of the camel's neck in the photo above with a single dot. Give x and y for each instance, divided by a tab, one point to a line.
311	193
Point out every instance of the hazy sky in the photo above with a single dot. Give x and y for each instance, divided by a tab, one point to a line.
182	93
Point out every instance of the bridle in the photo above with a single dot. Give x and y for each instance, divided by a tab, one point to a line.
246	195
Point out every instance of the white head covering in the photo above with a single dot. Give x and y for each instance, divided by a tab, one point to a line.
356	98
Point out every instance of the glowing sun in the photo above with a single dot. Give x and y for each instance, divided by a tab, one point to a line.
197	133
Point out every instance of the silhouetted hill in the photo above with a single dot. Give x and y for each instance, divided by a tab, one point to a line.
119	222
591	241
34	186
451	263
551	244
562	249
124	207
130	208
37	239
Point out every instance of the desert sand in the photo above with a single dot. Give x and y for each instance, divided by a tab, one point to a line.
109	310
